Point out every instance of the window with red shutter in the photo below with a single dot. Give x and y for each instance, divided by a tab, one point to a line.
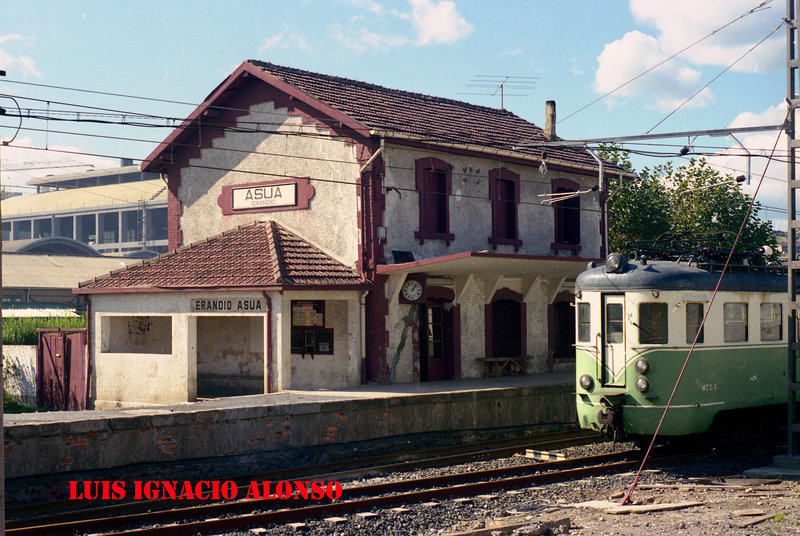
434	185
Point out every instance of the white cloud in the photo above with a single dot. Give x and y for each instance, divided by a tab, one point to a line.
668	85
682	22
678	24
11	62
287	38
773	189
438	22
361	39
433	22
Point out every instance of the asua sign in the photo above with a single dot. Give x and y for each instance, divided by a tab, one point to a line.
286	194
278	195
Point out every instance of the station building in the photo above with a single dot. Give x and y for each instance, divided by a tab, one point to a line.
327	233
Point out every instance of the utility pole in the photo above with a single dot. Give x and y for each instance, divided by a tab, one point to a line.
793	186
2	387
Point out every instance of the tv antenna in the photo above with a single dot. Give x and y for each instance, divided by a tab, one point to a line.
494	84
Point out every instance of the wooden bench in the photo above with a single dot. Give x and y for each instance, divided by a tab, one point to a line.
500	366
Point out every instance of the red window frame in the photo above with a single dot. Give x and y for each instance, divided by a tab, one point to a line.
504	186
567	217
434	181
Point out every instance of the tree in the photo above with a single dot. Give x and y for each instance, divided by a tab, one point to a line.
692	198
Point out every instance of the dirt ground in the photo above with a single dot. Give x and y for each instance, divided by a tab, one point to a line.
731	507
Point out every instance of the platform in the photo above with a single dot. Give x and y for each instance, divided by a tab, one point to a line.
248	430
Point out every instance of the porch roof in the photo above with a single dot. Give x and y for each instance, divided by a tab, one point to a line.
260	256
483	262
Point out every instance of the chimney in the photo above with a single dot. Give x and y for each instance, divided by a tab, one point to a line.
550	119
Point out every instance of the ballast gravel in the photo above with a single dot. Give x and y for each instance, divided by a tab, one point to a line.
550	509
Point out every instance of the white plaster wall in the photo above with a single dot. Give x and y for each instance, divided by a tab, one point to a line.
330	163
472	298
19	373
230	355
139	379
341	369
473	335
470	207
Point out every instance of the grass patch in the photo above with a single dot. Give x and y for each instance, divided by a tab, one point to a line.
22	330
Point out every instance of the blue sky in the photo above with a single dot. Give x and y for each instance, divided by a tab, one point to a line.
576	49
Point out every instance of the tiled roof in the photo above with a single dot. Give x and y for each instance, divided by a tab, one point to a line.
422	116
263	254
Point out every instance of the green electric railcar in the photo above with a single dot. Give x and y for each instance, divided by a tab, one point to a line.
636	321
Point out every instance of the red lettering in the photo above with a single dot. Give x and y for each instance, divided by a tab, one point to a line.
118	489
283	490
73	491
318	489
301	489
333	490
148	490
169	489
137	490
229	490
186	491
252	491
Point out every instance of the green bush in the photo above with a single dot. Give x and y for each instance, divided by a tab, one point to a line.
22	330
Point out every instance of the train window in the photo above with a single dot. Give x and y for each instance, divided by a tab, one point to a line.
735	322
694	316
584	322
614	323
771	325
652	323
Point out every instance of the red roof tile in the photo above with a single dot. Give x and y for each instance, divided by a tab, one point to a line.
431	118
263	254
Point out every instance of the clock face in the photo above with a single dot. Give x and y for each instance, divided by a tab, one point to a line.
412	290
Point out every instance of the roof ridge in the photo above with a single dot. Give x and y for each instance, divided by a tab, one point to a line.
273	242
369	85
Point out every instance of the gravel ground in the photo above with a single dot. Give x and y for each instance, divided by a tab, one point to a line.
550	503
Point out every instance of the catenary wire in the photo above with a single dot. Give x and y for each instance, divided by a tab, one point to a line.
725	70
627	496
759	7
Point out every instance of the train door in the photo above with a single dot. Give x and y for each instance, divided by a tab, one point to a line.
612	363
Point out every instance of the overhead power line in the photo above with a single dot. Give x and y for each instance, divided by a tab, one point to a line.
759	7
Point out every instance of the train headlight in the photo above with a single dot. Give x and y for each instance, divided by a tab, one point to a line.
642	366
616	262
586	382
642	384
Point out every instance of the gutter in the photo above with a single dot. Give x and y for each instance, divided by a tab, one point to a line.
480	149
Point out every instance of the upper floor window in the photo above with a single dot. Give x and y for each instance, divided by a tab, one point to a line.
567	216
434	184
504	193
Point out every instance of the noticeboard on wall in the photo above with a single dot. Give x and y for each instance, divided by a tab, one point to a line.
309	334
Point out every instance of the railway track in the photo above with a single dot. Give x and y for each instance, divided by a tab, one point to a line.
66	510
244	514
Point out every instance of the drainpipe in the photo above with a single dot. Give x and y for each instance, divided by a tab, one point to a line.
89	348
363	327
601	186
268	342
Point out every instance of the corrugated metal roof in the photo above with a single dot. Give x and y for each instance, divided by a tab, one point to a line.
91	198
57	271
38	310
107	172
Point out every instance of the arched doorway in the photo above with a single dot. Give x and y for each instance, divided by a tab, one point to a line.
439	340
506	325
